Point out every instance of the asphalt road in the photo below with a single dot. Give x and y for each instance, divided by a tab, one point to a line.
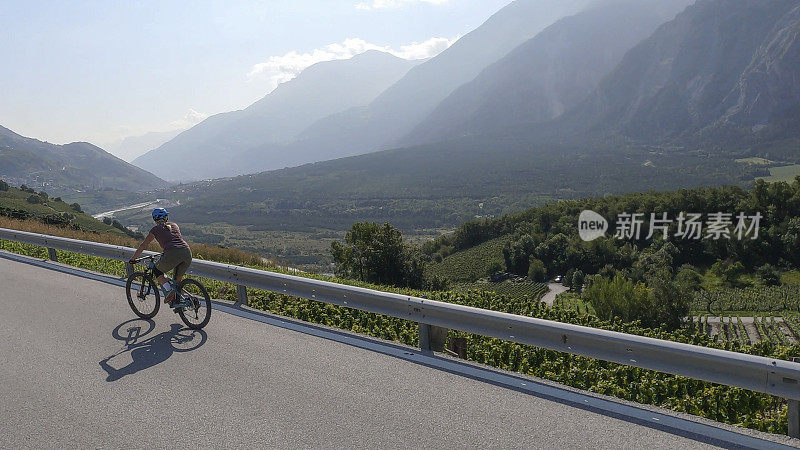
77	371
555	289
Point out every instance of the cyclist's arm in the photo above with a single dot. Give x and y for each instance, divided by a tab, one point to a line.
146	242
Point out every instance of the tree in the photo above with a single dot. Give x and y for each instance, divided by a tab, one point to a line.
376	254
470	233
4	186
76	207
517	254
669	303
688	279
576	283
536	270
554	252
728	272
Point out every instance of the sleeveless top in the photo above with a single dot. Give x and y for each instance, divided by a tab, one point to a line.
168	236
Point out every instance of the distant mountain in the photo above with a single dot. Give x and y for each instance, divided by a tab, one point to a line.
382	123
216	147
79	165
716	83
721	68
548	74
133	147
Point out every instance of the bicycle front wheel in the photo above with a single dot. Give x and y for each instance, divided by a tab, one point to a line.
198	313
143	295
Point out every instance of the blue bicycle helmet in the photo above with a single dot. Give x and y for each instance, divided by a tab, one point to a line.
160	214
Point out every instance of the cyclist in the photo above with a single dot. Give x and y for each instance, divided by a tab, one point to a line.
176	255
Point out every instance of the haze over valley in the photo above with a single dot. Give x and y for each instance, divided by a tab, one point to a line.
544	100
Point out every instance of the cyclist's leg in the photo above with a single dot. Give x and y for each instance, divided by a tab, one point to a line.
183	265
162	279
167	262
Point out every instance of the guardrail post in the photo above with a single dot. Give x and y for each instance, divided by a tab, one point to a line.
241	295
425	337
793	414
128	269
432	338
51	253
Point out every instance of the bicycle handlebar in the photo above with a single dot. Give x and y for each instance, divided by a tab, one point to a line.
142	258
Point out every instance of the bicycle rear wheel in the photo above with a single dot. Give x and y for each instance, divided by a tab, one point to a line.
143	295
198	313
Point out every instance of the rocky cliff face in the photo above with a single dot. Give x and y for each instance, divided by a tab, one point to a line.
699	70
770	85
550	73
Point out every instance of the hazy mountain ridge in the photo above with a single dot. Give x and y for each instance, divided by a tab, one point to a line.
268	135
548	74
684	78
218	146
132	147
78	165
394	113
704	69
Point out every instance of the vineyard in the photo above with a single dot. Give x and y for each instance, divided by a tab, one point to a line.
749	330
517	289
716	402
471	264
762	298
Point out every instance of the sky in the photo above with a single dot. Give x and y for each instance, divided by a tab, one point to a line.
99	71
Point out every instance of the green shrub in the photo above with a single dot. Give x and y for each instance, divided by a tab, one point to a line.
769	275
35	199
619	298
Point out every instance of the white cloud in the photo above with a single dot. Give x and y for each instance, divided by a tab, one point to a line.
386	4
280	69
191	119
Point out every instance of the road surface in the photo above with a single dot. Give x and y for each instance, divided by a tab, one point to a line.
77	371
555	289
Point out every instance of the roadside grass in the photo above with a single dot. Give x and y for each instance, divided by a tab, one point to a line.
16	199
200	251
790	277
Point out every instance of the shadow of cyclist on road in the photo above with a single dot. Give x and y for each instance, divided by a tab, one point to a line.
147	352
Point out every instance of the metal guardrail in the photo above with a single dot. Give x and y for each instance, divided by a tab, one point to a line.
771	376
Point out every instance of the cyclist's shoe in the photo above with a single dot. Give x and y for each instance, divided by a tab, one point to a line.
179	303
170	298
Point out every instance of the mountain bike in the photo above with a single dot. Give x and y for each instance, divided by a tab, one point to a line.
144	296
